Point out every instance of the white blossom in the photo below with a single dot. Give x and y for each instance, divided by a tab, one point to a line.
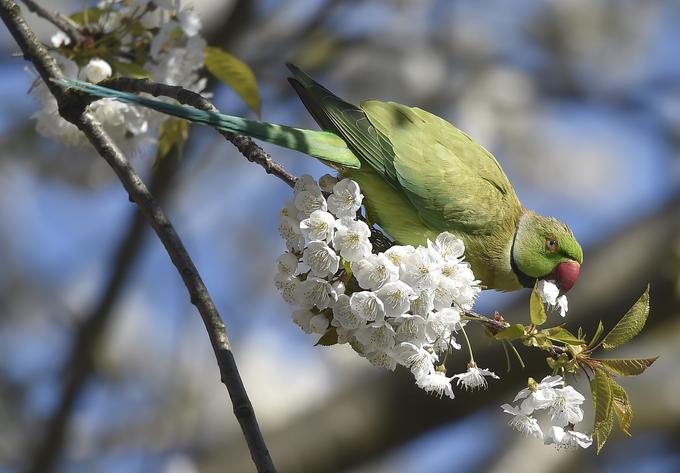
539	396
396	297
60	39
562	305
419	360
287	288
189	21
524	424
97	70
474	378
320	225
421	269
548	291
564	408
378	336
374	271
397	252
439	326
562	438
346	199
302	318
351	239
314	292
451	316
287	264
437	383
308	201
382	359
344	315
320	258
319	323
445	293
367	306
467	297
410	328
449	246
423	304
289	229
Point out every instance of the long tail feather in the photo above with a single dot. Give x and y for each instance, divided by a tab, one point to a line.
320	144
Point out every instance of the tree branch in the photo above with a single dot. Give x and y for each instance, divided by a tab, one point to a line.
57	20
245	145
72	109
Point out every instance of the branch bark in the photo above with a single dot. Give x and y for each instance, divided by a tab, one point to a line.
73	110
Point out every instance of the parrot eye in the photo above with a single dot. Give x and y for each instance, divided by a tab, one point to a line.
551	245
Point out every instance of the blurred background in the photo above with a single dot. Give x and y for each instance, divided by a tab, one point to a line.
106	367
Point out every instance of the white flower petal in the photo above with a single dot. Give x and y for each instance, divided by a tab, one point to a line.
374	271
436	383
321	259
367	306
346	199
351	239
320	225
396	297
97	70
474	378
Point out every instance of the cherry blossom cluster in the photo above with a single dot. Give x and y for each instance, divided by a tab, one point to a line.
402	306
560	406
162	42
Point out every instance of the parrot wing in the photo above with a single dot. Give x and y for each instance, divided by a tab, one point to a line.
453	182
442	177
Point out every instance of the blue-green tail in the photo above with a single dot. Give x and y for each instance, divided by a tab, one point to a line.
320	144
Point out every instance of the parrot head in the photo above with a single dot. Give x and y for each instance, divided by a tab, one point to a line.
545	248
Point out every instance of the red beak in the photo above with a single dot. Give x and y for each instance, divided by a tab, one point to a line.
566	274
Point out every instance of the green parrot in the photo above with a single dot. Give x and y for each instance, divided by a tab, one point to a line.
420	176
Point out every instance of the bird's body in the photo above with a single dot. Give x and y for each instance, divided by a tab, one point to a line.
420	176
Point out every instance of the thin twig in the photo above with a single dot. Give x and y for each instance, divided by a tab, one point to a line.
73	110
57	19
245	145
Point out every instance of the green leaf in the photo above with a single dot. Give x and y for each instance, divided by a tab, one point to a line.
628	367
236	74
89	15
173	134
128	69
601	389
622	408
329	338
630	325
561	334
598	334
536	308
513	332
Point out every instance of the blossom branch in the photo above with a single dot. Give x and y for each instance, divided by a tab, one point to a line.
244	144
56	19
73	110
